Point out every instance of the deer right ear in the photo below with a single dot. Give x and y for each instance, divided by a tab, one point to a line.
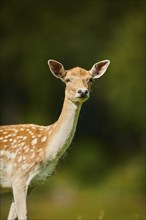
56	68
99	68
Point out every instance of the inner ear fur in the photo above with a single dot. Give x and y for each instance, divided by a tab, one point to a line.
56	68
98	69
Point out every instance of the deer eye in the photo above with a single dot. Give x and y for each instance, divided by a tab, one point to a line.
67	80
90	80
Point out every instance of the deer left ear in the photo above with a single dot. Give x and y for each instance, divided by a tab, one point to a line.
56	68
99	68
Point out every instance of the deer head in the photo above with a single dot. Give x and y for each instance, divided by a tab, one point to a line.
78	80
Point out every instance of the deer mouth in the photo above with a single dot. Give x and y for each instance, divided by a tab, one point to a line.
81	98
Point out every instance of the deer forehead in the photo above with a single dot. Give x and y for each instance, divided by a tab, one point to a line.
78	73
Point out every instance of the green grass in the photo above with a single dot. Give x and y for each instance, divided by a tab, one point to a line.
119	196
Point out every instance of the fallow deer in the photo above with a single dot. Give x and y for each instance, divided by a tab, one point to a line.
28	152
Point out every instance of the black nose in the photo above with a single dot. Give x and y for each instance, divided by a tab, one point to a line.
83	93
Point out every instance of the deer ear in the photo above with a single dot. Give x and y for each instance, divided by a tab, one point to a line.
56	68
99	68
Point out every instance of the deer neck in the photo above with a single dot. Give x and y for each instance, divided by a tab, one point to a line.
63	130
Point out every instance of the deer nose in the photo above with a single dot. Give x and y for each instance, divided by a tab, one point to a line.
83	92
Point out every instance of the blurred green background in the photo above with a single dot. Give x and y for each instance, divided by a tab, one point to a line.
102	176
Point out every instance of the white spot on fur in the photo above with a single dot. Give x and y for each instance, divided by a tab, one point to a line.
26	150
21	144
21	129
5	140
20	159
25	147
33	155
14	141
13	135
30	132
5	132
34	141
44	139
